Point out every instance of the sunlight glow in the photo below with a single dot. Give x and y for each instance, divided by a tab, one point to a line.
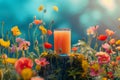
108	4
118	19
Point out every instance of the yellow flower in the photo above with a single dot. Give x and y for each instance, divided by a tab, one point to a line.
43	29
118	42
55	8
80	56
1	74
41	7
95	66
85	67
104	78
15	30
26	73
1	40
9	60
5	44
44	54
38	67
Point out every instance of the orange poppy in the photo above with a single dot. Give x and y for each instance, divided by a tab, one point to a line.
37	22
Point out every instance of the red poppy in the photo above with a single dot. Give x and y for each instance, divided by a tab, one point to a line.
23	63
37	22
110	74
110	51
102	37
47	45
118	58
49	32
74	48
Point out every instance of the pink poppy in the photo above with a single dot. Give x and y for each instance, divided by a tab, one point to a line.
93	72
92	30
19	40
23	63
42	62
103	57
109	32
106	46
37	78
100	54
24	45
95	69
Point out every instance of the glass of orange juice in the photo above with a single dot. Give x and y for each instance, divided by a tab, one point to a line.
62	41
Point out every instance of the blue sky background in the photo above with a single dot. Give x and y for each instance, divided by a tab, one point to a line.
75	14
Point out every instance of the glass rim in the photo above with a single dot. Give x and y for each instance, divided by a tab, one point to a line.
62	29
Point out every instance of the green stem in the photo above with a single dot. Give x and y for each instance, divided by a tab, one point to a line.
46	40
50	24
29	33
118	53
43	44
6	68
17	54
35	31
38	51
23	53
8	50
5	64
0	50
3	50
2	30
34	37
27	52
89	40
96	45
13	39
74	77
7	38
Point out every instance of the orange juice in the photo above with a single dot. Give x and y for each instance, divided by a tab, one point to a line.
62	41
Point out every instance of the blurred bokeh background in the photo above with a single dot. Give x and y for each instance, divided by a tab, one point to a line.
75	14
